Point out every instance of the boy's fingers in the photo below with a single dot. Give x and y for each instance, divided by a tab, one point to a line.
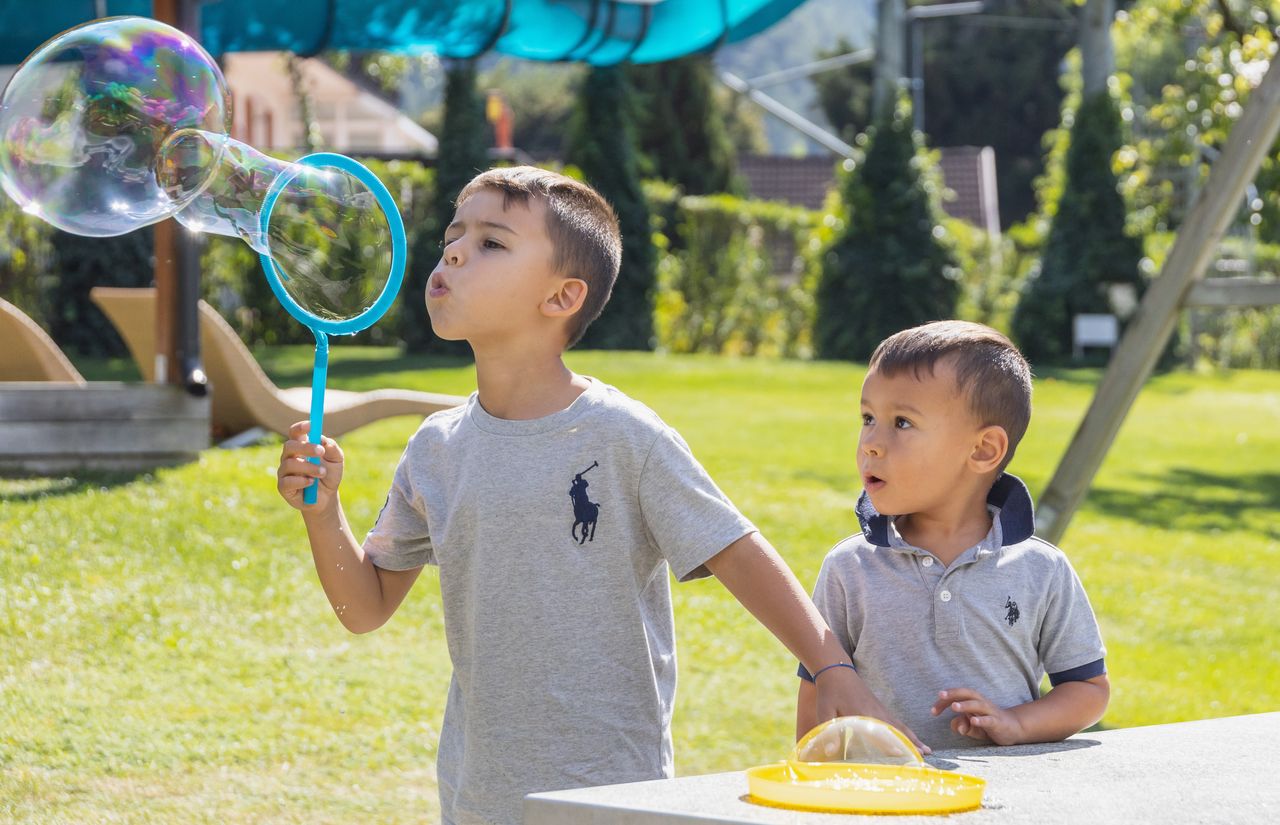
299	429
972	707
300	448
288	484
332	452
300	467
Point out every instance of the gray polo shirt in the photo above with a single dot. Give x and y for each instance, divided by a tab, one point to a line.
1000	616
554	538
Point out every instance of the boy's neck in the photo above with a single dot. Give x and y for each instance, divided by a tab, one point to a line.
951	528
525	385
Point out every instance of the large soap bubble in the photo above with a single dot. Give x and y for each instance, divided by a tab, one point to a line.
122	122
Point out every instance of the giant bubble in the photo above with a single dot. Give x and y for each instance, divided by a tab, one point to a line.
123	122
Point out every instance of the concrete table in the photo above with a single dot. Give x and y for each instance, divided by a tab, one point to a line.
1216	770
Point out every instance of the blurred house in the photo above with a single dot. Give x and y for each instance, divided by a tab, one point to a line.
266	114
968	171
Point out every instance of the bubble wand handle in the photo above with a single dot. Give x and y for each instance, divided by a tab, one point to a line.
319	374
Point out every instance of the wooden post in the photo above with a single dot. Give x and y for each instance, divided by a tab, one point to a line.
1250	141
167	238
177	262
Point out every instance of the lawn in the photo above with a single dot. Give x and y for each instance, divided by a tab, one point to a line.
168	655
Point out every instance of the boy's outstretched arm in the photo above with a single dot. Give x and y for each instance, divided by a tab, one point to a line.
1065	710
362	595
757	576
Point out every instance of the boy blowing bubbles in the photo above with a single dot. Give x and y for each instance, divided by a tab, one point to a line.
948	606
553	506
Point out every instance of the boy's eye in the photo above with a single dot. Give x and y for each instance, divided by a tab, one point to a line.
867	419
901	423
490	243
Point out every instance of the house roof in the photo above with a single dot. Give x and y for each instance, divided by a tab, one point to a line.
968	171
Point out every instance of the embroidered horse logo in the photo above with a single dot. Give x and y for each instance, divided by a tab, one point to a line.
585	511
1011	611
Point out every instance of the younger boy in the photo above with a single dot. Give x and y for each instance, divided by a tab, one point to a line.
554	507
950	608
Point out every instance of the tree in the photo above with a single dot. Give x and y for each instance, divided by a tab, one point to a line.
996	87
888	268
602	145
1088	249
81	263
845	93
681	129
464	139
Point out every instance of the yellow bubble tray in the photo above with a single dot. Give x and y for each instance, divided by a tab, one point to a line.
843	787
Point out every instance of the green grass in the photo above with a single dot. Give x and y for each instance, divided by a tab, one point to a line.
168	655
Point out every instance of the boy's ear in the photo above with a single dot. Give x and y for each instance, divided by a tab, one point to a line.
989	449
567	299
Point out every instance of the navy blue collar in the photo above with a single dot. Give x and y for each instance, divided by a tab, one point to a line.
1009	494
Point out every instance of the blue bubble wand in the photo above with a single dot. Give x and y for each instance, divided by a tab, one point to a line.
322	328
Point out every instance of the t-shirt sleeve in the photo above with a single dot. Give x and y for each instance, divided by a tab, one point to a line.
400	538
1071	646
687	518
833	603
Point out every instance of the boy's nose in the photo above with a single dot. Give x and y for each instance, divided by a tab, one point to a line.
871	447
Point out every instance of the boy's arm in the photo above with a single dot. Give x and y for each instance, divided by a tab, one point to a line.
806	708
1065	710
757	576
362	595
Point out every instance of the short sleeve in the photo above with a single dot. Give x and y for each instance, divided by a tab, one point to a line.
1070	642
686	516
832	601
400	539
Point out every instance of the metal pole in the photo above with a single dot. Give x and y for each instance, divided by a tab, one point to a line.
793	119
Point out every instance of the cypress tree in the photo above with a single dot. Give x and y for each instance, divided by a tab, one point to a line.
462	154
602	145
681	130
1087	249
889	268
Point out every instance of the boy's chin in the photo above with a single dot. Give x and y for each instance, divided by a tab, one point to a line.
886	505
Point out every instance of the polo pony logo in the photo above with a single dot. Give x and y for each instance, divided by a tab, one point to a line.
1011	614
585	511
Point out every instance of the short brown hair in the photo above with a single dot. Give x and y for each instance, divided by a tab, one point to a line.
581	224
990	371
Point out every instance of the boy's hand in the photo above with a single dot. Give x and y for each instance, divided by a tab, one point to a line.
978	718
296	473
841	692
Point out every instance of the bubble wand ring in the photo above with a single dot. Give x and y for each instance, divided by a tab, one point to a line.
324	327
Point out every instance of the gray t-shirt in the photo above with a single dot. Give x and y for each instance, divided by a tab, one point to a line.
554	537
995	620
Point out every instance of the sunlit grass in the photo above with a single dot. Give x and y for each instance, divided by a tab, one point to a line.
168	656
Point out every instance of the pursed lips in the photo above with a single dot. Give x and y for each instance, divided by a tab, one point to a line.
436	285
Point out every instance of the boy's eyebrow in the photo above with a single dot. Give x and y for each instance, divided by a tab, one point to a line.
501	227
900	407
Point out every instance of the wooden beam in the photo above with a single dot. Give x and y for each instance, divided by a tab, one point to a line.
1148	333
1234	292
167	369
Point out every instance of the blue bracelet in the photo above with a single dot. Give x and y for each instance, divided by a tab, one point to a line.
823	670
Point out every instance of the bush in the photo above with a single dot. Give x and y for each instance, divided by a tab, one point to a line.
732	278
25	260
